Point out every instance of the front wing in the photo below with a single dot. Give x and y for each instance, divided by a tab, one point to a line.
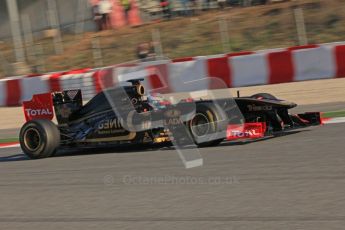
256	130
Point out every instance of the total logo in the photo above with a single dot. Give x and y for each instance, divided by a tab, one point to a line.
248	130
245	134
38	112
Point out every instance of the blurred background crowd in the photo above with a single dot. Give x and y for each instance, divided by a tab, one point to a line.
55	35
117	13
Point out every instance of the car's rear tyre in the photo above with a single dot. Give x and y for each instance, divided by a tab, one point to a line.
209	121
39	138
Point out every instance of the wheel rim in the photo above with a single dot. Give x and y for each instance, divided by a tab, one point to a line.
32	139
200	125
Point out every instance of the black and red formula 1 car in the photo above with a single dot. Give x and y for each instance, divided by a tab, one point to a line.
125	115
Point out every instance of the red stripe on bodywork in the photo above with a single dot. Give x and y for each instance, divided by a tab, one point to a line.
13	94
324	120
340	60
220	68
281	67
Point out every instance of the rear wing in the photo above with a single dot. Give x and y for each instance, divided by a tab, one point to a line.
40	107
46	105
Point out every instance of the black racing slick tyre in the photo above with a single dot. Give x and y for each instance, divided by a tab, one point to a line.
39	138
209	125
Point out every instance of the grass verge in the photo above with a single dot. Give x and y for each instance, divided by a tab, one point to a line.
8	140
333	114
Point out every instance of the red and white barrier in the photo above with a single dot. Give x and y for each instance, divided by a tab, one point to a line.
9	145
274	66
3	93
249	70
317	63
187	71
31	86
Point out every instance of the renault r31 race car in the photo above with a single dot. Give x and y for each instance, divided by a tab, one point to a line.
130	117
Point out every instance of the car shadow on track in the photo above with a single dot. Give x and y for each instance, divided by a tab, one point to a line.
15	157
112	149
249	141
88	151
163	147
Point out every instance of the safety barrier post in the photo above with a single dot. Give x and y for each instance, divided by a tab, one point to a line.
300	26
224	34
96	51
156	38
28	38
41	58
4	63
15	29
80	16
54	24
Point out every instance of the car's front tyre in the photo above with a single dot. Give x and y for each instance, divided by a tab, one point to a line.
209	125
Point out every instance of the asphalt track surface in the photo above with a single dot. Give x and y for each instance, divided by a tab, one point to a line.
295	181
